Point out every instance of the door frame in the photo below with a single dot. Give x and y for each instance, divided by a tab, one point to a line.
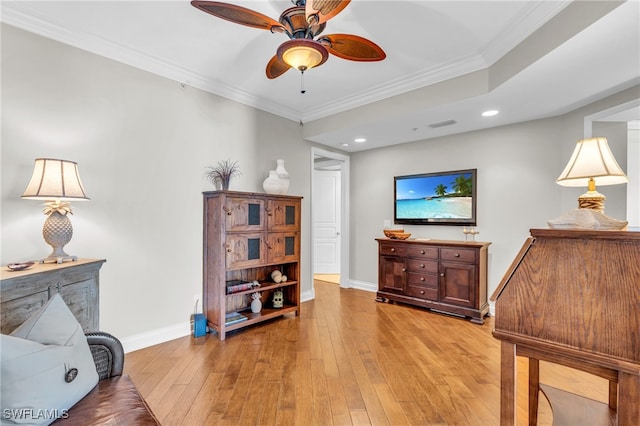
344	214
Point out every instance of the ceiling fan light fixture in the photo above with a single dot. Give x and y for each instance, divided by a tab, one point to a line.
302	54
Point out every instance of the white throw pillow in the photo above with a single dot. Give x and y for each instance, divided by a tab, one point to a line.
47	367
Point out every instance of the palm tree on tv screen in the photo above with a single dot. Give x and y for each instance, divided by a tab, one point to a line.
440	190
463	186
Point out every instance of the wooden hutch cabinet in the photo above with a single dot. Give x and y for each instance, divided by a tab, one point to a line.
572	297
24	292
246	237
448	276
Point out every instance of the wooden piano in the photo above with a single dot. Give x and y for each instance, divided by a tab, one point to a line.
572	297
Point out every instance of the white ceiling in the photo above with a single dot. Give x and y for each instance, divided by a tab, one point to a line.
528	59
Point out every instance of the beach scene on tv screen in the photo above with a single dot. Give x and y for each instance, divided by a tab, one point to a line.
435	197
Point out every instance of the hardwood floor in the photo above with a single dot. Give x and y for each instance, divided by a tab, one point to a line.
346	360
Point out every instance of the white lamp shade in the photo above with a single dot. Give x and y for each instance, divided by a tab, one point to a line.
592	158
55	180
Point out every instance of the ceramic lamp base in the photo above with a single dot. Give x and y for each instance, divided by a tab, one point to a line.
57	232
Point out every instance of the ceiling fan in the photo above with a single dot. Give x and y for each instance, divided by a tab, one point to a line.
303	24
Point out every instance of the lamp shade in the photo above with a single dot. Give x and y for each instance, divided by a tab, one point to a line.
55	179
592	159
302	54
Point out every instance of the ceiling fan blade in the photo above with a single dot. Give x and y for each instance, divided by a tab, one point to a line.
276	67
352	47
319	11
239	15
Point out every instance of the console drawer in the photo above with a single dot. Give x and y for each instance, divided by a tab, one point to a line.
422	292
422	252
393	250
424	280
422	266
458	255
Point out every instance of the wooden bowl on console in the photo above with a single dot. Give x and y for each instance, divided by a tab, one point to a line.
390	232
400	236
396	234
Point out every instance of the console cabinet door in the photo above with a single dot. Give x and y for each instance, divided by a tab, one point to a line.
244	214
16	311
392	274
458	284
81	297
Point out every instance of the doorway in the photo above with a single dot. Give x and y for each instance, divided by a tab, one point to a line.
330	216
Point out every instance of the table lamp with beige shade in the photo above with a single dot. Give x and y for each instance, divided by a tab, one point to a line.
57	182
591	163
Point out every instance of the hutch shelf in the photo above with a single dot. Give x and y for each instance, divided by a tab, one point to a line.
246	237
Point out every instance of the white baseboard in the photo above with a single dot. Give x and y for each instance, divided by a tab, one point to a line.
363	285
154	337
307	295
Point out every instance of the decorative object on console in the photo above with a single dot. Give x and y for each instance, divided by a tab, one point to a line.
591	162
222	174
19	266
57	182
470	231
396	234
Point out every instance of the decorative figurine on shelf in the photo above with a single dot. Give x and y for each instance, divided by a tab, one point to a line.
276	276
256	303
278	299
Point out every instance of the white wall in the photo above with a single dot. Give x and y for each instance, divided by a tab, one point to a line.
142	143
517	168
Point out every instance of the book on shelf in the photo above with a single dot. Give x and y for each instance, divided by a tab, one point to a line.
235	286
233	317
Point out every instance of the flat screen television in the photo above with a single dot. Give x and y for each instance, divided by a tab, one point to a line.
443	198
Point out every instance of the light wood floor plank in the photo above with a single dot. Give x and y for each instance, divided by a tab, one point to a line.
346	360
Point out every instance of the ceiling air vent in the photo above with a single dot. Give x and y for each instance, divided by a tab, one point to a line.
442	124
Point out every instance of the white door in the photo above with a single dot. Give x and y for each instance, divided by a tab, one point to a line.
326	222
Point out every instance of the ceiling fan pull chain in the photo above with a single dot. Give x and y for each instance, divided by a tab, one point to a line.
302	83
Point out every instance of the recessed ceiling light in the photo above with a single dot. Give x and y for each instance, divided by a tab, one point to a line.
490	113
345	144
359	140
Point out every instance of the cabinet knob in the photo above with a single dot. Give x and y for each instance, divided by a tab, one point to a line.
393	249
421	278
456	254
227	210
421	251
421	291
404	269
442	274
422	265
228	250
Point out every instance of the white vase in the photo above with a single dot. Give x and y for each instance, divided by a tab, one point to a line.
274	185
256	306
280	170
282	174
